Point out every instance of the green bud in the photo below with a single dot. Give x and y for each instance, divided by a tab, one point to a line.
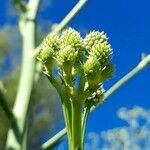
93	38
103	52
49	47
71	50
66	58
72	38
97	97
92	70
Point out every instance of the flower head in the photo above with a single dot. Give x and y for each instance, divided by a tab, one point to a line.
103	52
72	38
92	70
93	38
71	49
99	55
49	47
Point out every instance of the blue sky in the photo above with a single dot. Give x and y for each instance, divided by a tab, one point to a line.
127	23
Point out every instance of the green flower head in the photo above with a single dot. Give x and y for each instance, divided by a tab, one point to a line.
72	38
92	70
99	55
93	38
71	49
66	58
103	52
49	47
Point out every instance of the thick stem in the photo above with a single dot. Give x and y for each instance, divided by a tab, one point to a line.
76	126
28	32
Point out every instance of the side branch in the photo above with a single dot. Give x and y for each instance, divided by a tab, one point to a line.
70	16
143	63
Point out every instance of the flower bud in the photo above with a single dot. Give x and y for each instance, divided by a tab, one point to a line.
93	38
103	52
92	70
49	47
72	38
66	58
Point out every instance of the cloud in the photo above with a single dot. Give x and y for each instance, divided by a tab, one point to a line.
135	136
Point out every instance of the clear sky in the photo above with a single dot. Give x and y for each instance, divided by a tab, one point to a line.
127	23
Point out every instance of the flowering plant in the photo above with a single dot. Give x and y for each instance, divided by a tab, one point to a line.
83	66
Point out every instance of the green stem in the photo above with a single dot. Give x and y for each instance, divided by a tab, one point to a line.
66	106
67	116
84	121
76	126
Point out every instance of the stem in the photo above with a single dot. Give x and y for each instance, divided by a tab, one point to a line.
84	121
64	99
67	115
52	141
28	32
76	126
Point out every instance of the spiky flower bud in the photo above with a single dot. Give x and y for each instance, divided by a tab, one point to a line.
93	38
72	38
49	47
103	52
92	70
99	56
66	58
71	49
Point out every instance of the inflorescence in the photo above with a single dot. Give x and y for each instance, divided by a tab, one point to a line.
87	59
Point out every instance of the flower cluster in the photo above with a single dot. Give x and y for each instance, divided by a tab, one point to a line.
89	57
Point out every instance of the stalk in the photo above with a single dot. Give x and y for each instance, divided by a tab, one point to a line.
76	126
84	122
67	117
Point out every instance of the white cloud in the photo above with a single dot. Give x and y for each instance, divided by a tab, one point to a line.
136	136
